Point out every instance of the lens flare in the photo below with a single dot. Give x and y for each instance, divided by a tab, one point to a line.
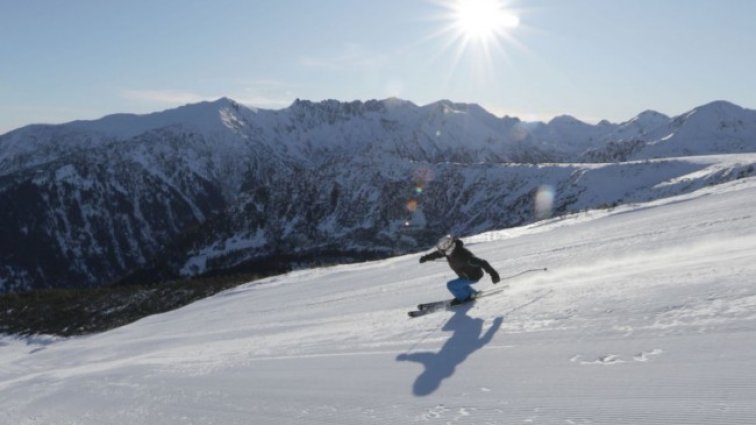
519	132
422	177
544	202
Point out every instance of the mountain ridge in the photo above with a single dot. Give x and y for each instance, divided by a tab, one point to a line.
213	186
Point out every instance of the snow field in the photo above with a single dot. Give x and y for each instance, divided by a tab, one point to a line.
647	315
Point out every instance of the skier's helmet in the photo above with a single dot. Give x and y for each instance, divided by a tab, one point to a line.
446	244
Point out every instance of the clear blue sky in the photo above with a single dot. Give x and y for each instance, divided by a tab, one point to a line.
593	59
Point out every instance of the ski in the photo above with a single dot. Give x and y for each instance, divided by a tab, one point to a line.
480	294
426	308
431	307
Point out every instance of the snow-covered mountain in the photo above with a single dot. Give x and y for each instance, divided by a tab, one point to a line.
646	315
218	186
714	128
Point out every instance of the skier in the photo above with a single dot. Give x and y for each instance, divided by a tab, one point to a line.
468	267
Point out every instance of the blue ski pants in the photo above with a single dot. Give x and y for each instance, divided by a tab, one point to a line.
460	288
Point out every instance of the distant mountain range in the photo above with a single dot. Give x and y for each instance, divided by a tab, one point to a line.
216	187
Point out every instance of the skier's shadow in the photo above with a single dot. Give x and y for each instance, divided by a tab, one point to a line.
467	338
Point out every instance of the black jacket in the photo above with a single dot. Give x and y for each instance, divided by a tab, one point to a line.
464	263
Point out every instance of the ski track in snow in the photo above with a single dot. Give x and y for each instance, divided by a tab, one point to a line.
646	315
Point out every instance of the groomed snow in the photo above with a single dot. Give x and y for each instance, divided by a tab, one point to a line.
647	315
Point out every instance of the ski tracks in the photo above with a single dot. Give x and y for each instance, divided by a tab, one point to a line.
614	359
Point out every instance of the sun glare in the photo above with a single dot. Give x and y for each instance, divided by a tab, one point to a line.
477	35
482	20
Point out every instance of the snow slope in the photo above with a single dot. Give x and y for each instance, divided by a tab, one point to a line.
647	315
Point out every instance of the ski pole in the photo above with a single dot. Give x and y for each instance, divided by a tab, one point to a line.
524	272
543	269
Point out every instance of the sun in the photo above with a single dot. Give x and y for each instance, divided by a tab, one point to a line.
482	20
477	37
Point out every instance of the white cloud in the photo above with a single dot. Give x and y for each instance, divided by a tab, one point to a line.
263	93
262	101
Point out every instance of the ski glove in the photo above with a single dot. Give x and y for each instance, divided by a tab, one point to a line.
495	277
